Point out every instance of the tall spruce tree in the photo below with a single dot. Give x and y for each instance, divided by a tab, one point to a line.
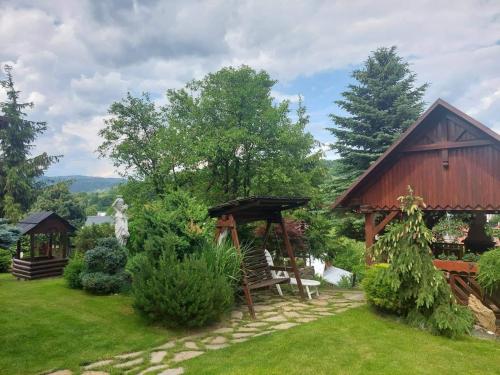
382	104
18	169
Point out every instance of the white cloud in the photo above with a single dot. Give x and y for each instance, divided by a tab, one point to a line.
74	58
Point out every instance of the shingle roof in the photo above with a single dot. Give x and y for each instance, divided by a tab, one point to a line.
97	220
33	220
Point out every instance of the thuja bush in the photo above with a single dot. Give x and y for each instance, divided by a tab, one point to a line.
104	268
188	293
423	293
73	271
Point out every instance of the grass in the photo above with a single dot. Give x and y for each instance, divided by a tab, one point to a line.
45	325
354	342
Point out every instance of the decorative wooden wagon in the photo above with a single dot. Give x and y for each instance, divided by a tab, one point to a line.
47	253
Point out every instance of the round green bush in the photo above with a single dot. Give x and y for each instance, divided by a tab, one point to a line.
105	259
378	289
185	293
489	270
73	271
102	283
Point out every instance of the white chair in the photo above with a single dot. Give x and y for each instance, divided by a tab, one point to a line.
306	283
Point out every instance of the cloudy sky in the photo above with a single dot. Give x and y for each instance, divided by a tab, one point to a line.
74	58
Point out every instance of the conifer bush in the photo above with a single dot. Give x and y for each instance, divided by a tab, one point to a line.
73	271
423	293
378	289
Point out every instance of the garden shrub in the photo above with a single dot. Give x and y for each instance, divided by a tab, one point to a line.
349	255
104	268
378	289
178	220
73	271
87	236
422	290
489	270
5	260
188	293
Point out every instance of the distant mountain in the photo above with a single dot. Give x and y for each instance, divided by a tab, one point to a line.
85	183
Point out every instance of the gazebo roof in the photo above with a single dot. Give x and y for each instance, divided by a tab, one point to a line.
257	207
35	221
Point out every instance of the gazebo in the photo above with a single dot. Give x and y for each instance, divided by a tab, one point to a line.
49	245
256	271
450	159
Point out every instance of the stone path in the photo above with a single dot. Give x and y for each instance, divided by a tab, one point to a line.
274	313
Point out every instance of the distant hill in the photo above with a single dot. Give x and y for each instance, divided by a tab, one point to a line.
85	183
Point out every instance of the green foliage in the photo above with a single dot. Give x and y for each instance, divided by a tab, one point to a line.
489	270
220	137
18	168
471	257
9	234
348	254
224	260
59	199
345	282
378	289
5	260
73	271
448	226
420	287
101	283
104	268
188	293
86	237
177	221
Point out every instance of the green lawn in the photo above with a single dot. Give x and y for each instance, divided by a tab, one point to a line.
354	342
44	325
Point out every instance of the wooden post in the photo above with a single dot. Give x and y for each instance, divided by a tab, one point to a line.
32	245
228	222
289	250
50	245
369	235
18	249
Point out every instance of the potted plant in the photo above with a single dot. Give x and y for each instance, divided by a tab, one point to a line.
448	229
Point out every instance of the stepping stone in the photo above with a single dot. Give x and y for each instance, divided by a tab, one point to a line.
285	326
292	314
269	313
216	346
98	364
157	357
241	335
218	340
173	371
129	355
277	318
256	324
95	373
247	329
129	363
237	315
153	368
320	309
300	304
260	308
61	372
191	345
183	356
168	345
223	330
305	320
319	302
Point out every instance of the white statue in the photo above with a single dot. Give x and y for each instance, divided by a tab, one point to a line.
121	220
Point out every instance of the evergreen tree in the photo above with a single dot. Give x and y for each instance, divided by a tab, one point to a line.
18	169
383	103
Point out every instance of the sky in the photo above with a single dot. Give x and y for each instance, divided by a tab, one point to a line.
74	58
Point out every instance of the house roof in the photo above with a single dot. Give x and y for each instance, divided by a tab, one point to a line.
438	104
256	207
34	220
97	220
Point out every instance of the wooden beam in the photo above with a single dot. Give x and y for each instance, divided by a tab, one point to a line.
289	250
32	245
384	222
369	235
448	145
